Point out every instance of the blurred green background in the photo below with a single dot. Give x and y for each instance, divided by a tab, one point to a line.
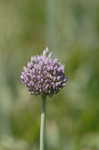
70	28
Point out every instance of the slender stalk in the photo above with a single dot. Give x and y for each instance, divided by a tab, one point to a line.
43	124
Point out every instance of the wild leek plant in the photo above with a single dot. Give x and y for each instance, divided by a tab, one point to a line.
43	75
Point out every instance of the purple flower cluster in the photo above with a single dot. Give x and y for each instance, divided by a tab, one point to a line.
44	74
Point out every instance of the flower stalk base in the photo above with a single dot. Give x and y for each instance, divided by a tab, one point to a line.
43	124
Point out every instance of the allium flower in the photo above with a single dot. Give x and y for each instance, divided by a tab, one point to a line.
44	74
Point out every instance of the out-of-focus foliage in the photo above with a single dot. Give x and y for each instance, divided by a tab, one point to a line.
71	30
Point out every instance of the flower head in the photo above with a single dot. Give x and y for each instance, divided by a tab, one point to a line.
44	74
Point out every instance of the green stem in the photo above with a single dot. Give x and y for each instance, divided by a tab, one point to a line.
43	124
